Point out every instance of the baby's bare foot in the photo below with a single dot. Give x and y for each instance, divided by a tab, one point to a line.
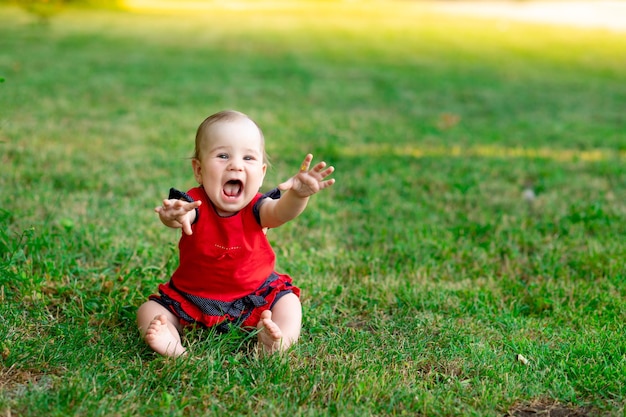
270	336
161	339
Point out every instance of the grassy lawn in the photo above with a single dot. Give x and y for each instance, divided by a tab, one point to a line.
479	211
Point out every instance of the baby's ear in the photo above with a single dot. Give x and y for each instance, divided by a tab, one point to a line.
197	170
263	177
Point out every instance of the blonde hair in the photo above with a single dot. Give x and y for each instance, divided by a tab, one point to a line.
224	116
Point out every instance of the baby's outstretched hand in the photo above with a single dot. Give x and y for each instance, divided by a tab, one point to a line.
178	213
309	180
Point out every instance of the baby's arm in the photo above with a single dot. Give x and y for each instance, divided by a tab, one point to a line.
178	214
298	189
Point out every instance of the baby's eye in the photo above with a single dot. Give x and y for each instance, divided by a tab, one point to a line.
222	156
248	158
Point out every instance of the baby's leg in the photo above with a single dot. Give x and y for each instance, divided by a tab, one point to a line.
160	329
280	327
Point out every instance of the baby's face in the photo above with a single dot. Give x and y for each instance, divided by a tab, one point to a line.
231	166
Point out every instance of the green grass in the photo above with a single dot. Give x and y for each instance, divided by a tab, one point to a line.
424	271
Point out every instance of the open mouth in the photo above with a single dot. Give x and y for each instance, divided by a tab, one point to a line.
233	188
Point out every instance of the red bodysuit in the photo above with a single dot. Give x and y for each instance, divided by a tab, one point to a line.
226	271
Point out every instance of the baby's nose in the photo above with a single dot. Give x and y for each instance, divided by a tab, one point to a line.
235	165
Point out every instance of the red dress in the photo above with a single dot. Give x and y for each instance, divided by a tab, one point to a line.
226	271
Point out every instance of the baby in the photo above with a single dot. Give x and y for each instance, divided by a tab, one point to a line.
226	272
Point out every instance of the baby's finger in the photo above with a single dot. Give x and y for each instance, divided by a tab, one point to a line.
306	163
187	227
178	204
327	183
284	186
194	205
327	171
319	166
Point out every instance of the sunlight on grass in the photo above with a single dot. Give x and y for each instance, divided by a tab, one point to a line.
486	151
177	5
588	14
605	14
165	5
